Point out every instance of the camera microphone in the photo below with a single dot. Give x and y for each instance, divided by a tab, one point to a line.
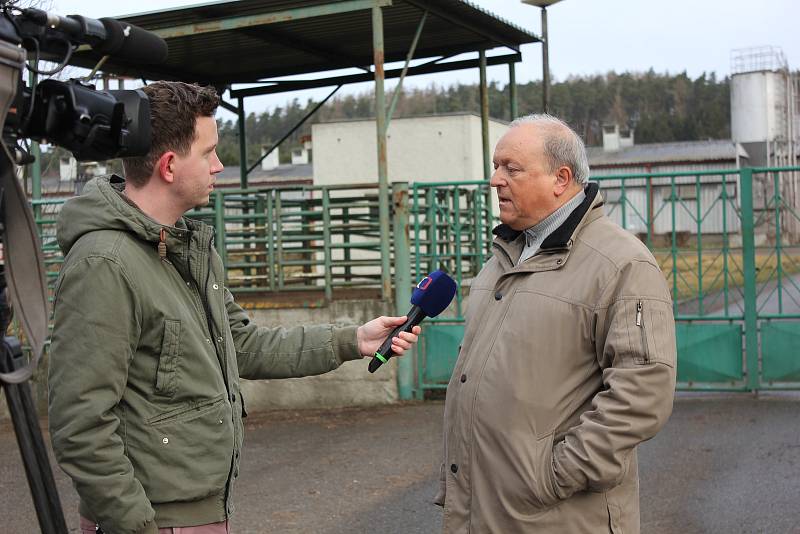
132	43
107	36
431	296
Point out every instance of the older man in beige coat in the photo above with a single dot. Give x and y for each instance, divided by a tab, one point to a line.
568	360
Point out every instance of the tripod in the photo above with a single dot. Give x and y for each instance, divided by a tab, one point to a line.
26	426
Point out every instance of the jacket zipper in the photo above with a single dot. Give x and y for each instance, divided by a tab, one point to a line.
640	324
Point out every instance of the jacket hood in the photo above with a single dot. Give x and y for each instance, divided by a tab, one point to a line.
101	206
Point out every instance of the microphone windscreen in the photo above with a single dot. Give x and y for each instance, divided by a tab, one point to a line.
132	43
434	293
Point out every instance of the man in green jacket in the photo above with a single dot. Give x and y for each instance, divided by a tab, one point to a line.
148	344
568	359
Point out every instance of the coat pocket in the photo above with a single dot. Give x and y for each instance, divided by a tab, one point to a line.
651	331
544	490
187	412
614	517
185	453
167	372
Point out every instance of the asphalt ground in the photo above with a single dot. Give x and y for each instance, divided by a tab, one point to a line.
723	464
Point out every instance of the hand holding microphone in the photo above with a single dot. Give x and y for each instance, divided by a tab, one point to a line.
431	296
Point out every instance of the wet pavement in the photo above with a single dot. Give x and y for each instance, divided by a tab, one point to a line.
723	464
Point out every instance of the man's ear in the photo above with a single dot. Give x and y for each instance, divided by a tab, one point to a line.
165	166
563	180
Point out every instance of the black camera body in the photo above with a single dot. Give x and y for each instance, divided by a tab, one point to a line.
92	124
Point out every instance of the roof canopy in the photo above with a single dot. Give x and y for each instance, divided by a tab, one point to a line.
253	40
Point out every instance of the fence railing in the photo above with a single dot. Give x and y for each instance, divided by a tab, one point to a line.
451	224
278	239
728	242
325	238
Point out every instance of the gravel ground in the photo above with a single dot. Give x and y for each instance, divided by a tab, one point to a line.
723	464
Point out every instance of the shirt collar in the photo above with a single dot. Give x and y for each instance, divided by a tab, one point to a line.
539	231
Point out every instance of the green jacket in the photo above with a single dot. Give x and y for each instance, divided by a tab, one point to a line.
145	406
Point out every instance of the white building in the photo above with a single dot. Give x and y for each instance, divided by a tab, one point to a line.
437	148
630	201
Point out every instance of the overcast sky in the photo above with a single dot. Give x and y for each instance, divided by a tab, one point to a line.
587	36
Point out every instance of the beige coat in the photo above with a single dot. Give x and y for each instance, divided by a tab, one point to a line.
567	364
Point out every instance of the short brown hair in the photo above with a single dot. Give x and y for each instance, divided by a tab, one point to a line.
174	109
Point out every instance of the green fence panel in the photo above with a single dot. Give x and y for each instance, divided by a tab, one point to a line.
439	350
780	352
710	354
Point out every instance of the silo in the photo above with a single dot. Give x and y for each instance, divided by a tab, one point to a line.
764	121
761	101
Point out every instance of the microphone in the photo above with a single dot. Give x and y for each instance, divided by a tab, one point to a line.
132	43
431	296
107	36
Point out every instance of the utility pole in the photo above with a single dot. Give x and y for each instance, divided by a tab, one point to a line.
543	5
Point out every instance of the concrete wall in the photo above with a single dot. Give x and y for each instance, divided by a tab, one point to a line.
350	385
420	149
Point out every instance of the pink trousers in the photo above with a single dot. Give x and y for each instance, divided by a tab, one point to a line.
88	527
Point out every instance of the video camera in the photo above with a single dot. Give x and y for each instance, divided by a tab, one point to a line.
92	124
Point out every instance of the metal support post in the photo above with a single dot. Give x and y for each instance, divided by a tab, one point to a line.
778	203
293	129
512	90
409	57
749	263
219	229
326	239
545	65
487	158
36	166
242	145
36	181
402	285
383	183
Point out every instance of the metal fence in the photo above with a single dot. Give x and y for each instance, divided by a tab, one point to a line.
278	239
728	244
727	241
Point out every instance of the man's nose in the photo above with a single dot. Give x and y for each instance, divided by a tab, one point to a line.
496	179
218	167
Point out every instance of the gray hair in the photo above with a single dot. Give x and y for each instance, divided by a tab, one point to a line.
562	146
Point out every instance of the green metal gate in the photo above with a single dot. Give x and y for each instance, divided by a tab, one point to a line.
728	242
775	308
451	224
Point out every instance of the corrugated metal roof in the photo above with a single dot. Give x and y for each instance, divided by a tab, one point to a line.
710	150
308	45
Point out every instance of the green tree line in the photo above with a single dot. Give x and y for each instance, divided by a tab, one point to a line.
661	108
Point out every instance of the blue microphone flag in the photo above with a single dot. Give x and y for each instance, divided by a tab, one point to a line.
434	293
